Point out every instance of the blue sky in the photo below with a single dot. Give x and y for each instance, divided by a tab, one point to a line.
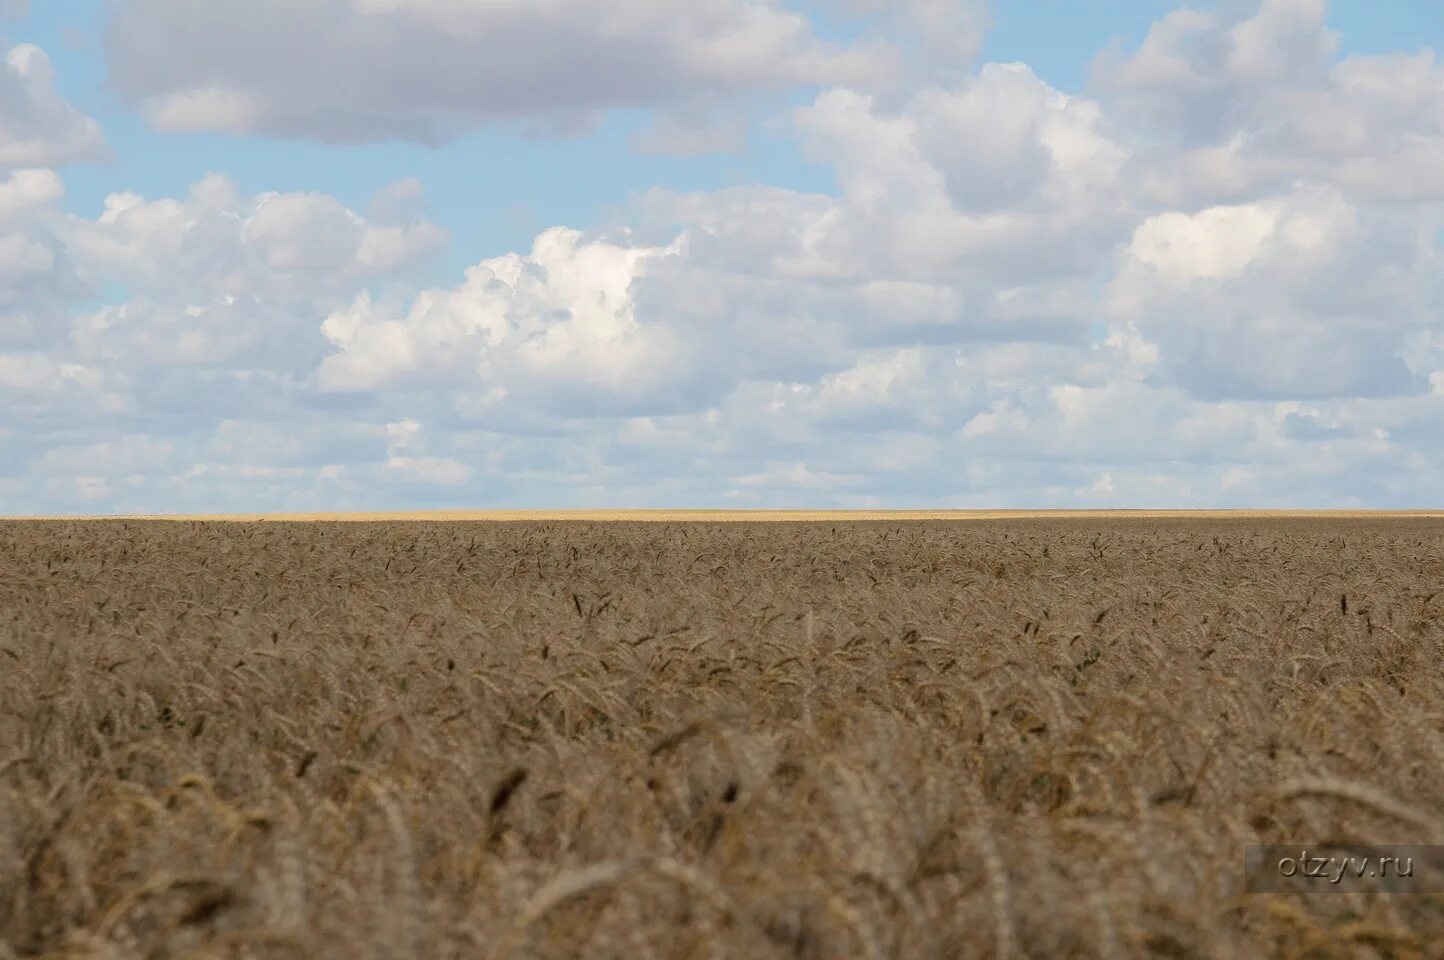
872	242
502	188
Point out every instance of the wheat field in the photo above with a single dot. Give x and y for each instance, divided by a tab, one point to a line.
903	738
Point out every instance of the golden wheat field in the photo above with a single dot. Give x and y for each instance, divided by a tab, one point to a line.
1000	737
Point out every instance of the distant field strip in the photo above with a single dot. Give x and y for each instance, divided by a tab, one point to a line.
755	516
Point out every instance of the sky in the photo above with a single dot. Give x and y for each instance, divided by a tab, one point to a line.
321	255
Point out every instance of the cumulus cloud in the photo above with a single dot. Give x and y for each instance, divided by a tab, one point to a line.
220	290
1298	295
556	329
219	300
37	126
405	456
1259	99
37	277
23	192
1000	175
1214	243
217	242
353	70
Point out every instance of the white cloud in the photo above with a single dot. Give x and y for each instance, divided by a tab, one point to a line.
206	108
405	457
1302	294
1000	176
1000	415
796	476
22	256
22	192
36	281
38	373
1214	243
350	70
557	328
1255	102
222	298
127	455
271	244
37	127
445	471
1004	137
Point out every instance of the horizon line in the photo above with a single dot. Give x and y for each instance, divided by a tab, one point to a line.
665	514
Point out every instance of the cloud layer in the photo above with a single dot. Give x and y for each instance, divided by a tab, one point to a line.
354	70
1216	278
37	127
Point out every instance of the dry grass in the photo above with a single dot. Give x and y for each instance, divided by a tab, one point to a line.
1025	738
